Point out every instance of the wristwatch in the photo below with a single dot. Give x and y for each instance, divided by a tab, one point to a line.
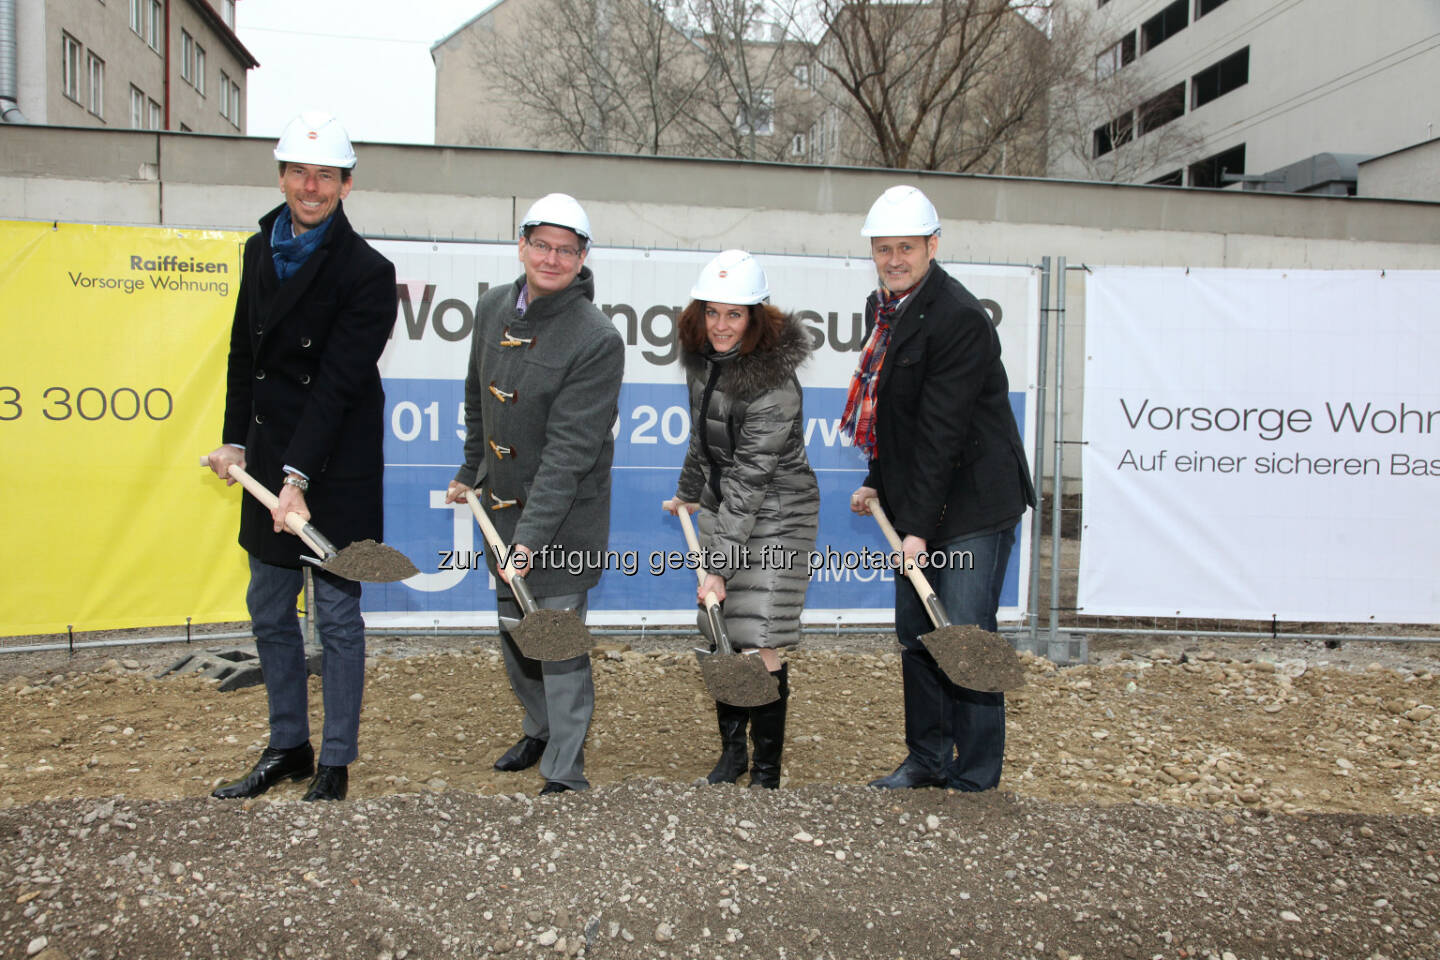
297	481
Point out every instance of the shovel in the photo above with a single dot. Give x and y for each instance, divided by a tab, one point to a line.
540	634
738	679
972	658
365	561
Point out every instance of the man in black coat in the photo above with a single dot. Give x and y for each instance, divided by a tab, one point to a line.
930	408
304	414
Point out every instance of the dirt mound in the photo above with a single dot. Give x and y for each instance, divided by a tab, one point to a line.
1161	805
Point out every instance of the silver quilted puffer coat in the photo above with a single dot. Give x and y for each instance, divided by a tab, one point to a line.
759	502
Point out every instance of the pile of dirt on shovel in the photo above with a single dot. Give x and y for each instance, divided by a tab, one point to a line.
371	562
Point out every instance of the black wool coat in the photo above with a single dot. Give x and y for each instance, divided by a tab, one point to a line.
303	386
949	458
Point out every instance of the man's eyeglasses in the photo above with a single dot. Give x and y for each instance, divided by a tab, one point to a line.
544	249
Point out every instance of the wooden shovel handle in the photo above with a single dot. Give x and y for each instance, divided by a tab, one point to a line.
518	586
694	543
297	524
922	586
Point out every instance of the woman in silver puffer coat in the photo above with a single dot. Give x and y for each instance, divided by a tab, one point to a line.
747	474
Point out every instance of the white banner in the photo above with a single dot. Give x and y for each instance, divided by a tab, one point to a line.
643	292
1262	443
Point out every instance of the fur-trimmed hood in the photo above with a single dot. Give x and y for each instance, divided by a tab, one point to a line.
750	375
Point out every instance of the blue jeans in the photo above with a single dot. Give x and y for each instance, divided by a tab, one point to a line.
271	599
955	734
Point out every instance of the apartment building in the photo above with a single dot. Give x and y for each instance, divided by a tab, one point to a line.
1280	95
126	64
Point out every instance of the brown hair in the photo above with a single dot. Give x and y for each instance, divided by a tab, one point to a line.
344	171
761	333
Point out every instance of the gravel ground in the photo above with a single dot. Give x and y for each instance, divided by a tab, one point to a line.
1242	800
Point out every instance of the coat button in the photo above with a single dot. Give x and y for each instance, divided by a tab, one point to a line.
305	379
259	374
259	328
305	343
259	418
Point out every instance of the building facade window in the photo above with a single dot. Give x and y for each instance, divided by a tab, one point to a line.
1116	133
1220	78
137	108
1213	170
1115	56
224	94
233	115
137	17
187	57
1164	25
70	66
157	119
227	13
797	145
802	76
200	69
758	115
1158	111
97	85
155	26
1203	7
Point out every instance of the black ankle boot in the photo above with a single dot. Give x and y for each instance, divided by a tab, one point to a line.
767	730
734	757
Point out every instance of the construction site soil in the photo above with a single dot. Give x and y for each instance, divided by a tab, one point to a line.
1236	801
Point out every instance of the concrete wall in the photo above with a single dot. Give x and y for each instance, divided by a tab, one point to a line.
479	194
1409	174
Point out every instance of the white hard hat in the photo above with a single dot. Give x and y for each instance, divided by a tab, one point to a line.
318	138
558	210
732	276
901	211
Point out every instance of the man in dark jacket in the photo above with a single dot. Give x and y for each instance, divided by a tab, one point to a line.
541	396
930	407
304	414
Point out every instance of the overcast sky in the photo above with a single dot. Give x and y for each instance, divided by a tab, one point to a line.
366	61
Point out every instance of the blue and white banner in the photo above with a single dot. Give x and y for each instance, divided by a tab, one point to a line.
644	292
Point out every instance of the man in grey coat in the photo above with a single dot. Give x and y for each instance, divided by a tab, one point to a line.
541	395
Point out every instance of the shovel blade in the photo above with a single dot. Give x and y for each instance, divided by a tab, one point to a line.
738	679
975	659
552	635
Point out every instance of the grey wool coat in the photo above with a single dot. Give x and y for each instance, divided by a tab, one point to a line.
746	467
541	437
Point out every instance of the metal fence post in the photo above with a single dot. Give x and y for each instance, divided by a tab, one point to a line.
1058	651
1037	523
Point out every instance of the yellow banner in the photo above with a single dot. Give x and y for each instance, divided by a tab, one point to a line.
113	348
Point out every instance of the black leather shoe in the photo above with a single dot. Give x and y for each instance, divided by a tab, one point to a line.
274	765
524	755
330	783
908	775
554	786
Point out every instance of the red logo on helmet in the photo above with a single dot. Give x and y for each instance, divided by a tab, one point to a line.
313	135
724	273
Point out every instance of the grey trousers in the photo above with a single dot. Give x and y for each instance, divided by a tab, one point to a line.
558	696
271	598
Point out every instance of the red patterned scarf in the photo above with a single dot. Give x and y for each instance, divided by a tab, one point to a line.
858	421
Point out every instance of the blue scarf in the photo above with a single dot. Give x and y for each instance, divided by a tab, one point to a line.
290	252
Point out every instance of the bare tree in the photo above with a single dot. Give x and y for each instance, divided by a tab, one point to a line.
612	76
941	84
751	103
